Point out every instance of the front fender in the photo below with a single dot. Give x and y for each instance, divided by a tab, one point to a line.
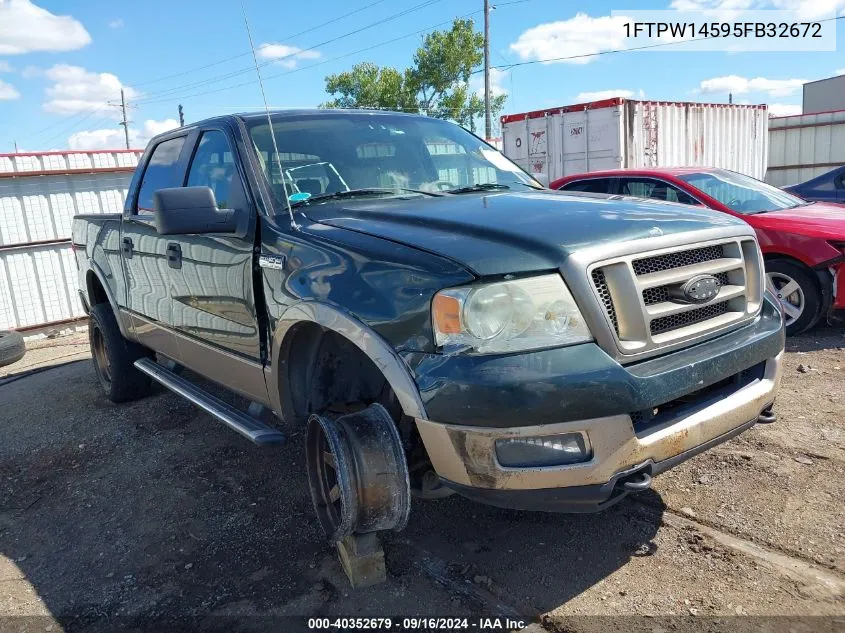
376	348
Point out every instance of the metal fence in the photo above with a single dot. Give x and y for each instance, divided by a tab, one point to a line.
39	195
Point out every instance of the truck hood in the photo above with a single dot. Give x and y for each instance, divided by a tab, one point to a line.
500	233
824	220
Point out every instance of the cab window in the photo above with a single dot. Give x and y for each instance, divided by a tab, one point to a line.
213	166
162	172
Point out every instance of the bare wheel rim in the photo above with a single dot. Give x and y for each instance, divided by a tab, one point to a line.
328	462
101	358
790	295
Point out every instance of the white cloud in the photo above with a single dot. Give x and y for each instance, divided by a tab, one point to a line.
497	77
8	92
784	109
26	28
839	71
804	9
114	139
581	35
285	55
75	89
6	67
811	9
741	85
116	24
598	95
153	127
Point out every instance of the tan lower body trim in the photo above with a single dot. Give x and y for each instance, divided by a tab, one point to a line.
466	455
233	372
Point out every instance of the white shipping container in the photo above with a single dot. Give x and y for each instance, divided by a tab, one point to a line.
623	133
805	146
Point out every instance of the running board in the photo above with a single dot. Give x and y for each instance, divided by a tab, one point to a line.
252	429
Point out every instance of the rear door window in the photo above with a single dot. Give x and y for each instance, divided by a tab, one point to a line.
162	172
591	185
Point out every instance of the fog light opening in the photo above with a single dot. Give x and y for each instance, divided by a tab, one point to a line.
549	450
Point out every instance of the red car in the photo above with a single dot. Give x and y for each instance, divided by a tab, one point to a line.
803	242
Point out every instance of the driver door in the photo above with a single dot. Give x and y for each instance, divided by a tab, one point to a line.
212	288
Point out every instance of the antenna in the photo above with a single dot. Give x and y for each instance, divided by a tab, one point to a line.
269	121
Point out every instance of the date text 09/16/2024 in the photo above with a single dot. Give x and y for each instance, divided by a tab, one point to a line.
416	624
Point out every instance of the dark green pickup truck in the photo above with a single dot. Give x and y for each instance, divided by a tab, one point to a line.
436	319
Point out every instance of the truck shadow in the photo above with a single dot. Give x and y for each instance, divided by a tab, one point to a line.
527	562
121	515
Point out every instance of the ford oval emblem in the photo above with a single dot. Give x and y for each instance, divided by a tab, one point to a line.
698	289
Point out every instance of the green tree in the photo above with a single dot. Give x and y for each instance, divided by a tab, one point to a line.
438	84
370	86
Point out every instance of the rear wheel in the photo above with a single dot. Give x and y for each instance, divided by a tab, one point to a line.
12	348
114	357
798	292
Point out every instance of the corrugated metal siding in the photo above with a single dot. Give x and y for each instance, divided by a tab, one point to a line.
38	208
805	146
622	133
699	135
65	162
37	286
39	195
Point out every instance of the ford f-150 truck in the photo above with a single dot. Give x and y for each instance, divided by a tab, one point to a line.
432	317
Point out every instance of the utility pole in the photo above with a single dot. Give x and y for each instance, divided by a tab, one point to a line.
730	97
124	123
488	127
181	116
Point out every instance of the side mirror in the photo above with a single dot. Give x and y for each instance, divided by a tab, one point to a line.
183	210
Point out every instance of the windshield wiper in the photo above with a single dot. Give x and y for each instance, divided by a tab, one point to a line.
370	191
490	186
484	186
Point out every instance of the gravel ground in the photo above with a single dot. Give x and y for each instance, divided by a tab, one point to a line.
114	514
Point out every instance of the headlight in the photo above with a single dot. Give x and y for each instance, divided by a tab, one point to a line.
508	316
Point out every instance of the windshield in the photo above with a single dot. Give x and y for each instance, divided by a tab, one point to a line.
741	193
341	154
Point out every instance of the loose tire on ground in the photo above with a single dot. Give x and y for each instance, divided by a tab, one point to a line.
799	293
114	356
12	348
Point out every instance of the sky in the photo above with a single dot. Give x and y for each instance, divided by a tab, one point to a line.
63	63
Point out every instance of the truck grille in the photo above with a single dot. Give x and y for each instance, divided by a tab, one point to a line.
676	260
675	321
635	293
604	295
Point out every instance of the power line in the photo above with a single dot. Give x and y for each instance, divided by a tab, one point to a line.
250	69
76	124
309	67
170	92
613	51
239	55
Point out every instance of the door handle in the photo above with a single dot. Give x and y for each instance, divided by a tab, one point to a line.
174	255
127	246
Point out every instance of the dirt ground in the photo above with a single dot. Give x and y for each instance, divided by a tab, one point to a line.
113	515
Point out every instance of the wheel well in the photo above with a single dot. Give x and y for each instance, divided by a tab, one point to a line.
96	292
770	257
321	371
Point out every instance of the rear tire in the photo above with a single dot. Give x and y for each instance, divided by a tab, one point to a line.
12	348
114	357
799	293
